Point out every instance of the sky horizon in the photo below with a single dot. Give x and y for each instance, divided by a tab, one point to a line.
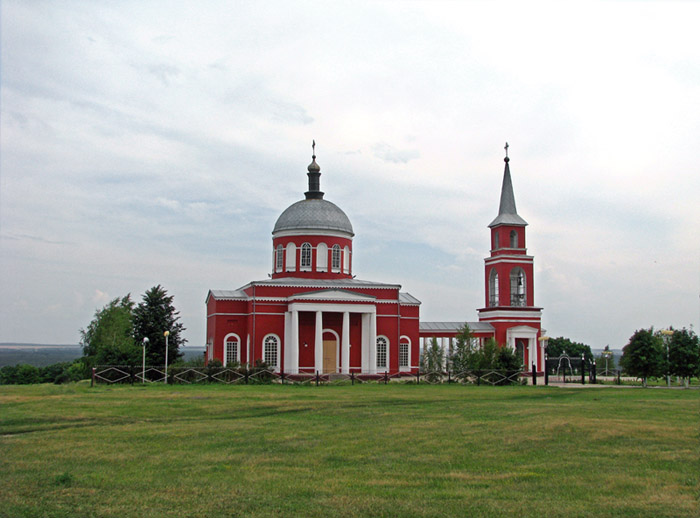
157	143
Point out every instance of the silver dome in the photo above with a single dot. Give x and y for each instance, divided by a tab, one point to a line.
313	214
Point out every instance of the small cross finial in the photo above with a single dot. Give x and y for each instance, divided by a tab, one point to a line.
506	148
313	148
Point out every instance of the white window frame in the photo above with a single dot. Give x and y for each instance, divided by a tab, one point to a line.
267	337
346	259
518	292
335	258
291	263
404	340
493	288
232	338
376	353
279	258
322	257
305	257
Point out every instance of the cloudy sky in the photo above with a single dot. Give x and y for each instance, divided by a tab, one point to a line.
153	142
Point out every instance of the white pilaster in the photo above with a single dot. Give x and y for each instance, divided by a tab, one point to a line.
287	344
373	343
345	344
294	344
365	343
318	345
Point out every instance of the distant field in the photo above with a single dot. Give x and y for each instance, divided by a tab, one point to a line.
41	355
344	451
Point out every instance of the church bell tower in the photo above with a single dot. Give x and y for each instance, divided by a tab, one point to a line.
509	281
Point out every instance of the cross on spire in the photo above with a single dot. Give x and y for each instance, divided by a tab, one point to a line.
506	148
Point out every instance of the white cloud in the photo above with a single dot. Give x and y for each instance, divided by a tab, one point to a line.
153	143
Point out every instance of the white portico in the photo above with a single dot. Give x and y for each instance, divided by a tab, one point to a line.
331	357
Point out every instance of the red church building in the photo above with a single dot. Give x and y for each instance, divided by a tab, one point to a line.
312	314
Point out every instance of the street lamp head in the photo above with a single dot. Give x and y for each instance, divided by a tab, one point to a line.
145	340
167	333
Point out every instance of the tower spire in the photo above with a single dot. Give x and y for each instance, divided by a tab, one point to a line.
314	174
507	213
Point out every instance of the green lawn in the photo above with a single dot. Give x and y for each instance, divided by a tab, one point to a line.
370	450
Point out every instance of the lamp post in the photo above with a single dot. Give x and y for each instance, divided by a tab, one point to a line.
607	353
544	342
667	337
143	364
166	334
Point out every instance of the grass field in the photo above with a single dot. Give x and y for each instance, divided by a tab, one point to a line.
341	451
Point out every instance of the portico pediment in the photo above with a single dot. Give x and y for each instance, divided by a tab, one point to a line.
335	295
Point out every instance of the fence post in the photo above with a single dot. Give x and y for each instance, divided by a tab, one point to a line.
593	375
246	375
386	377
418	377
534	374
546	372
583	370
352	378
619	381
449	377
282	376
317	378
92	378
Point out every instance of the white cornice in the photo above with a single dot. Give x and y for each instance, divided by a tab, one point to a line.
310	232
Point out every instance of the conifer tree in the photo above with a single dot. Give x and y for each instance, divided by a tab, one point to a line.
153	316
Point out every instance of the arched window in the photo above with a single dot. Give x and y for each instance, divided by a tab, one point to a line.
306	257
493	288
271	351
232	351
346	259
404	353
517	287
279	258
322	257
382	353
335	258
513	239
291	257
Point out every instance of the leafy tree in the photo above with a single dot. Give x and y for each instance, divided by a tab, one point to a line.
560	346
153	316
684	354
643	356
431	360
109	338
461	358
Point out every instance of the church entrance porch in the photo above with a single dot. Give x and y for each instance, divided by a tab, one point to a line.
329	338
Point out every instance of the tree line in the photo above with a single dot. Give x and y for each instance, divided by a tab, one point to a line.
118	334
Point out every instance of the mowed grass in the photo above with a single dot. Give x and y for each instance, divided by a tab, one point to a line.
343	451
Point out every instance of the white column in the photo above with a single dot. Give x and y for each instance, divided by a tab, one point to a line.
247	350
318	351
372	343
345	344
365	343
287	342
443	345
294	352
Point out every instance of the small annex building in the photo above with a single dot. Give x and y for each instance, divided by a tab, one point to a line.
313	316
